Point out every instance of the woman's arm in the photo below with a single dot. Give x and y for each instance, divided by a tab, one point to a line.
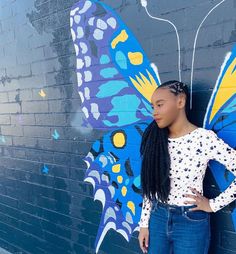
145	214
226	155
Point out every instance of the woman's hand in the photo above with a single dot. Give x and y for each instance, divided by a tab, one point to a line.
143	239
201	201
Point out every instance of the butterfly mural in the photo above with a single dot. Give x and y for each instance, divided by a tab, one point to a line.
221	117
115	83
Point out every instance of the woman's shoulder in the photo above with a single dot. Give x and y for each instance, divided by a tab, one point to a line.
207	133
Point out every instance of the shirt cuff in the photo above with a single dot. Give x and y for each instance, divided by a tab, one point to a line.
142	225
213	205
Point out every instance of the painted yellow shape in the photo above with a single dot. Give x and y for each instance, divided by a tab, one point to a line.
226	90
119	139
131	206
124	190
135	58
116	168
119	179
42	93
145	86
121	37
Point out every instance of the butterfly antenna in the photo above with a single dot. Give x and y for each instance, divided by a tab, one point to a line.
194	47
144	4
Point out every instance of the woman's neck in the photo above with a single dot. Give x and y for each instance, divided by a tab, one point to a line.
181	128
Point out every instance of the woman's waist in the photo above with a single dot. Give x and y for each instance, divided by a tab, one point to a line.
176	196
172	206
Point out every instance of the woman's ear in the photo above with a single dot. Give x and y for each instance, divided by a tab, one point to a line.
181	100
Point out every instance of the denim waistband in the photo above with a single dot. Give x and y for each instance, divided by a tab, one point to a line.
173	207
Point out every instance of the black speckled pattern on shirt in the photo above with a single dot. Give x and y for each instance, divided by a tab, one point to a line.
189	158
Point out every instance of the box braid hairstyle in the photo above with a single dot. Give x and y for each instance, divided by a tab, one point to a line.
154	152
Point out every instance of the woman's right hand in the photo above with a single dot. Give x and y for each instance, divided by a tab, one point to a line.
143	239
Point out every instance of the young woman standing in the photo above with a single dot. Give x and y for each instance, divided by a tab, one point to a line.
175	153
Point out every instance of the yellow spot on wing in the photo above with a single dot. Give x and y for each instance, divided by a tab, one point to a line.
131	206
121	37
123	190
119	179
116	168
119	139
135	58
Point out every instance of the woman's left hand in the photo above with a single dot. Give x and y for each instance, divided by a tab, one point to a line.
201	201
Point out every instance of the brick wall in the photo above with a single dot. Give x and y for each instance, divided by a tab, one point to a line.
45	204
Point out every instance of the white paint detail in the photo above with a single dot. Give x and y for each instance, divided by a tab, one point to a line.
80	63
85	110
155	69
72	13
111	22
90	180
71	21
87	61
101	24
144	4
79	78
76	49
95	111
194	48
95	174
77	19
73	34
98	34
100	195
83	47
81	96
86	93
80	32
91	21
87	76
87	5
103	160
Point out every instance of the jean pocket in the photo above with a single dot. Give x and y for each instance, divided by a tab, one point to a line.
197	215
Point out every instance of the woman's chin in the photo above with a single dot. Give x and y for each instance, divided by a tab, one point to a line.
160	125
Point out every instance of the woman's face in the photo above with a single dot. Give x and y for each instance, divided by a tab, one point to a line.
166	106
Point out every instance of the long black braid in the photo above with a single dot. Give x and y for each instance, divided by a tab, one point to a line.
154	152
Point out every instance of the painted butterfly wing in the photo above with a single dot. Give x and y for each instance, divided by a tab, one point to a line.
115	78
115	83
114	172
221	114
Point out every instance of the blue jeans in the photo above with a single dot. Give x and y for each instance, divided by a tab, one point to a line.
176	230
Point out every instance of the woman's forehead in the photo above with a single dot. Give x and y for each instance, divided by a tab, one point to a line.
161	94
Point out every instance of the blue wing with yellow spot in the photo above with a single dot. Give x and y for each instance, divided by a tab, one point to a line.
221	116
115	83
114	76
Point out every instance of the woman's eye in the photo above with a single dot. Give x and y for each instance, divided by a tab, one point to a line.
159	105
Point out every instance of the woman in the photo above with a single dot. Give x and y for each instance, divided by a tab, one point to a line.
175	153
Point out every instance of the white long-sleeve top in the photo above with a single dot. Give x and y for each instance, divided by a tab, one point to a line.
189	156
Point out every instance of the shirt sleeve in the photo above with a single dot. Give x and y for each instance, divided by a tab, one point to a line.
145	214
220	151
